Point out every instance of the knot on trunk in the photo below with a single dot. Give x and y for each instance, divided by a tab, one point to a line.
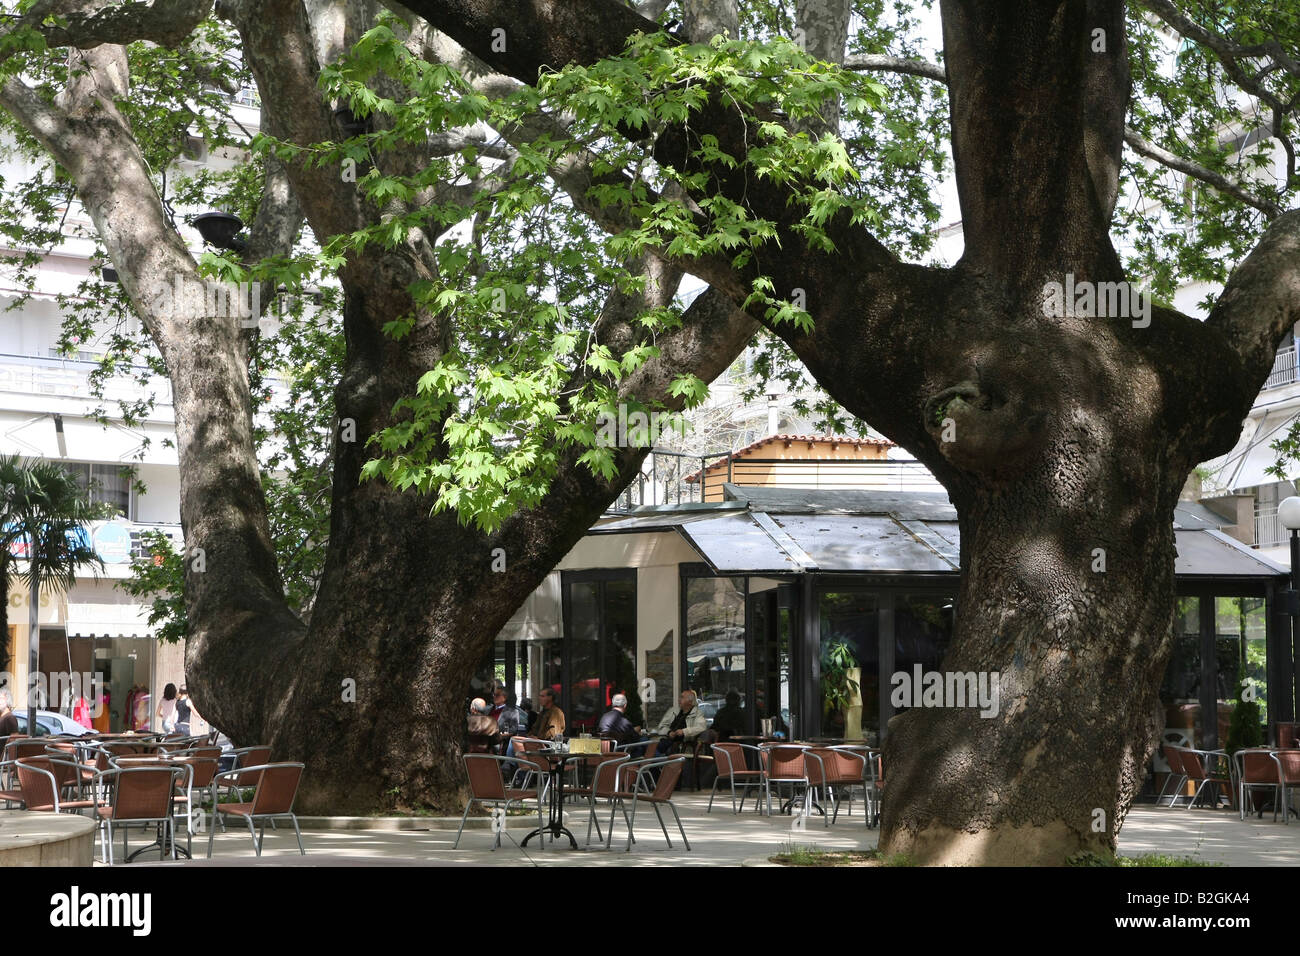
981	430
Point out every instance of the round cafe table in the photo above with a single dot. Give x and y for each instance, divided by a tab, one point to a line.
555	825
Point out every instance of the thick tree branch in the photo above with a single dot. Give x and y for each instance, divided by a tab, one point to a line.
1262	299
1135	140
1024	85
89	23
281	52
1144	147
274	230
880	63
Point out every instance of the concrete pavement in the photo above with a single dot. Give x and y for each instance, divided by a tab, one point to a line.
717	839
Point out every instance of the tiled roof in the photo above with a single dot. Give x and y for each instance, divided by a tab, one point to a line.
790	440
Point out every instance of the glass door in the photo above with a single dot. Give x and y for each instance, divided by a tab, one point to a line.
770	629
600	637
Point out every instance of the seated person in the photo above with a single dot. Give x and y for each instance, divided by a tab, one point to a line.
681	725
498	701
550	722
549	725
482	728
511	720
615	725
730	718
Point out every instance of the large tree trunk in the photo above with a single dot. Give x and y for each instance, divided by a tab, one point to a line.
1067	594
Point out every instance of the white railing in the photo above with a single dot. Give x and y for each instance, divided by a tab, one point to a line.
1284	368
1269	531
71	379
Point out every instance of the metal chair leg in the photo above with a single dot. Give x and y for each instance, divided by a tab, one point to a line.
463	817
631	826
680	828
298	834
659	816
257	847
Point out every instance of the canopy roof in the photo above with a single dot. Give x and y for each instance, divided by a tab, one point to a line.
780	530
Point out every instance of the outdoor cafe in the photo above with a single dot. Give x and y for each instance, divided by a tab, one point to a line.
776	594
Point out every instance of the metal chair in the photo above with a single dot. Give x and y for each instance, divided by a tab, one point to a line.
645	789
729	758
1210	768
488	789
44	780
1288	775
1177	774
1257	770
139	795
846	769
787	764
277	788
605	784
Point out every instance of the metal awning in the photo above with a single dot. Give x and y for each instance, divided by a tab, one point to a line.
844	532
1211	553
1245	466
538	618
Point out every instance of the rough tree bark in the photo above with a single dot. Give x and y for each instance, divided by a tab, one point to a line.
1062	439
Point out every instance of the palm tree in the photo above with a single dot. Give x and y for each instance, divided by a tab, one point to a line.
44	518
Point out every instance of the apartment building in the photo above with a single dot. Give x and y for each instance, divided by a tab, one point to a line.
49	410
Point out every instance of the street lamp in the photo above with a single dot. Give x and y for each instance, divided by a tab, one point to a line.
1288	512
221	229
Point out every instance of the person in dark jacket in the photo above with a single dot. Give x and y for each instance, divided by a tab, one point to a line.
615	725
730	718
512	720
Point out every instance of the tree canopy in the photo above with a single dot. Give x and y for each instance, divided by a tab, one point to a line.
508	196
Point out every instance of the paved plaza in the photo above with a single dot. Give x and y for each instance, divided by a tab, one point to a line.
717	839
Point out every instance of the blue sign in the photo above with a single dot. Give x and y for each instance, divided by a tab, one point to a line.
113	544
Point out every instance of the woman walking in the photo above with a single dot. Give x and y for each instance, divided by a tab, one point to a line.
167	709
183	711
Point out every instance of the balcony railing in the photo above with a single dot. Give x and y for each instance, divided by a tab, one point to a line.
1284	369
71	379
1269	531
674	478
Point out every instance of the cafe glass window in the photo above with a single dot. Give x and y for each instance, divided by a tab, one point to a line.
850	634
1180	694
714	647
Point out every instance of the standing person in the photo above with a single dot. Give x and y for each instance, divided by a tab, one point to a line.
167	709
183	710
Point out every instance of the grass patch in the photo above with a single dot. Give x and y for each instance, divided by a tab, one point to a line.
798	854
1143	860
794	854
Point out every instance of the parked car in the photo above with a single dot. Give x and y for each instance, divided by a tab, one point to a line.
48	722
